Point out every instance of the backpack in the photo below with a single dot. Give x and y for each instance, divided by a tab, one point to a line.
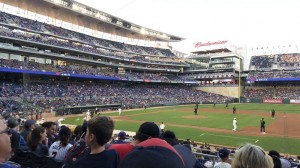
77	151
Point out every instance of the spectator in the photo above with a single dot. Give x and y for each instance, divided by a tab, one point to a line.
5	147
38	142
99	132
276	158
59	148
51	128
12	124
224	155
76	134
251	156
153	153
28	127
146	131
121	138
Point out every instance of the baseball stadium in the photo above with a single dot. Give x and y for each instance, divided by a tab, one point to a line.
67	64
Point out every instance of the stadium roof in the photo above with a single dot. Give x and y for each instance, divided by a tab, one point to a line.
86	16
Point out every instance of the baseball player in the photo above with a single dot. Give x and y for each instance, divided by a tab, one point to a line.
273	113
88	115
120	111
262	126
233	110
234	123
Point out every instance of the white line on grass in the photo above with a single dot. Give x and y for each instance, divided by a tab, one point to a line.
256	140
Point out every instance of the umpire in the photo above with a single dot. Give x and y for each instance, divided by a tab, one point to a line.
262	126
273	113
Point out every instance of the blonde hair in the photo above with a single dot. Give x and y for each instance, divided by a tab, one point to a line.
251	156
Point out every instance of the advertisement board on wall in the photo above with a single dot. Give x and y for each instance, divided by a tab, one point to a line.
293	101
277	101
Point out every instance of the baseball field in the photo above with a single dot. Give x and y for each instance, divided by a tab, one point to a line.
214	124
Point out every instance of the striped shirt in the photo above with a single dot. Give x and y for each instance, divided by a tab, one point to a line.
57	151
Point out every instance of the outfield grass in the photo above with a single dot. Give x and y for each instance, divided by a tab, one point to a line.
174	115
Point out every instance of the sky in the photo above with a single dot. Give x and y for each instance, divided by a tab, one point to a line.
242	22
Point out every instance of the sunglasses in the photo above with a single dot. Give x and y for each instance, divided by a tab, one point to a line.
6	131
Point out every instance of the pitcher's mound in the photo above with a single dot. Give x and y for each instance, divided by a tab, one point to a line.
194	116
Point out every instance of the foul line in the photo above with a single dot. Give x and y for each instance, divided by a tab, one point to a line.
256	140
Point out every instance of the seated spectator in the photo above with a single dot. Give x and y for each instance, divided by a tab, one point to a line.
276	158
99	132
121	138
170	137
28	127
5	147
251	156
153	153
146	130
59	148
76	134
38	142
12	124
51	128
224	155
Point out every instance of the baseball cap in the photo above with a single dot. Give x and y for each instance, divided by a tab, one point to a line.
122	134
186	154
150	129
223	152
29	123
153	153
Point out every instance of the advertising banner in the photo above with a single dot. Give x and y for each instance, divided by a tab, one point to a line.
293	101
277	101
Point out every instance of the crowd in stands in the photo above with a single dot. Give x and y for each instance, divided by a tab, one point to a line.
84	70
275	74
52	145
214	75
273	92
75	36
289	60
66	93
260	62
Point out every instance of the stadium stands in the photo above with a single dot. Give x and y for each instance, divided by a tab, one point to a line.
260	62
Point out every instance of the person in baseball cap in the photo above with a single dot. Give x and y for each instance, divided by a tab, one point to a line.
224	155
28	127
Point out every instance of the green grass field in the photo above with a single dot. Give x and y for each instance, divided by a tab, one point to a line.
174	119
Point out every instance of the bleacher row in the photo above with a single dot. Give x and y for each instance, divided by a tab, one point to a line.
273	93
52	145
43	29
291	61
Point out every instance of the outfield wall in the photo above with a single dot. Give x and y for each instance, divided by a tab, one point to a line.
225	91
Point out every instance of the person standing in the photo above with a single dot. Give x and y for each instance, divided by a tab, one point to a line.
196	110
214	104
162	126
262	126
226	104
234	123
273	113
234	110
120	111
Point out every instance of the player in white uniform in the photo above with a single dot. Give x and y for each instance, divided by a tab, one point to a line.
120	111
88	115
234	124
162	126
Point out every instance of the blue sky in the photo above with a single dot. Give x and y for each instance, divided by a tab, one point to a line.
246	22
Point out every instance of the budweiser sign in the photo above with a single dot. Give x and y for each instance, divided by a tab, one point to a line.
200	44
277	101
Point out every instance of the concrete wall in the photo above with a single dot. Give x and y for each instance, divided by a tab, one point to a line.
225	91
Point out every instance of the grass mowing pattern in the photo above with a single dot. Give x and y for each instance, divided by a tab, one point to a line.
214	120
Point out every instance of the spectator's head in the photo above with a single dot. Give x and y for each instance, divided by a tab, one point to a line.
170	137
99	131
77	131
64	136
29	124
276	158
38	135
122	135
147	130
5	145
224	154
12	123
251	156
50	127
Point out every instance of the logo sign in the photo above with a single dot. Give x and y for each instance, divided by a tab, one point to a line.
200	44
276	101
